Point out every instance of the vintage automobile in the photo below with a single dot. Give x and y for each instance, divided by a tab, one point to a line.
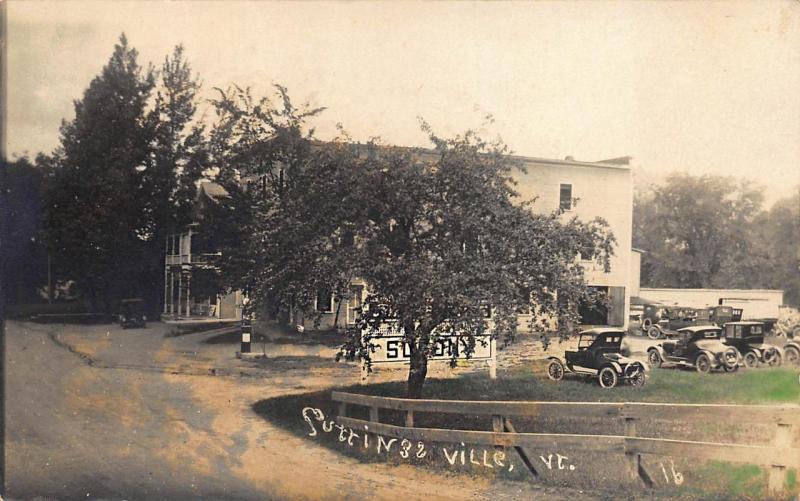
663	321
699	346
748	338
599	355
721	315
131	313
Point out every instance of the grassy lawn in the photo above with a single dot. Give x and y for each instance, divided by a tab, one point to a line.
600	472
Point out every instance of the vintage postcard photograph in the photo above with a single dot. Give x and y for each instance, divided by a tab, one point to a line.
263	250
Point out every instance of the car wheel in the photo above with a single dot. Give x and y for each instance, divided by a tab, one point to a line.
654	332
654	358
636	375
703	364
646	323
792	355
775	359
608	377
750	360
730	368
555	370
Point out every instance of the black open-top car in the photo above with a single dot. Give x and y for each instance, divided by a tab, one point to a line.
701	347
748	338
131	313
599	355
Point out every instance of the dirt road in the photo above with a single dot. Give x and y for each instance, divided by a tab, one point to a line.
99	413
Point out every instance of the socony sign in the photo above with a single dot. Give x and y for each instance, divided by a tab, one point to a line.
391	347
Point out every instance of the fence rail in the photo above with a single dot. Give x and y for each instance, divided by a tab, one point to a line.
778	456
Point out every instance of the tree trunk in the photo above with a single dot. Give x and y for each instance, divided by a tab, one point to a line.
417	374
418	370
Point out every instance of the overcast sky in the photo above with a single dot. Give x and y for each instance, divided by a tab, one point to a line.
699	87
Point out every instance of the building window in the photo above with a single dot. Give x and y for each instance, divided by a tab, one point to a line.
565	197
324	301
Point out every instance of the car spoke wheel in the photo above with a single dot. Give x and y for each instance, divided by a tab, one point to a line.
654	358
637	376
774	358
607	377
646	323
555	370
654	332
703	364
750	360
792	356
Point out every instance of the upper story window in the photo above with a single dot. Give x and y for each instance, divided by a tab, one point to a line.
565	197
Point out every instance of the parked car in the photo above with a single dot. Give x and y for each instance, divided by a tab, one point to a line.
748	338
599	355
662	321
700	346
721	315
131	313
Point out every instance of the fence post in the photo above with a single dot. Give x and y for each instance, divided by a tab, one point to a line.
493	360
777	471
342	409
409	418
373	414
497	427
634	460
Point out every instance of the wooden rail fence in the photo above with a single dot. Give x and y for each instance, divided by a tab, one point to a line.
777	456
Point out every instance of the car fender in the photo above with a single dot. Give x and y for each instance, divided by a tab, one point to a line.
617	367
711	357
793	344
563	360
660	349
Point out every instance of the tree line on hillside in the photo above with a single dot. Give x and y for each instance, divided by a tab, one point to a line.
713	232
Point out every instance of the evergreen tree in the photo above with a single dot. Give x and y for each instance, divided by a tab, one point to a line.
97	219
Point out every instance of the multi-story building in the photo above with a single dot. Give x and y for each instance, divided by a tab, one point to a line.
580	189
583	189
185	258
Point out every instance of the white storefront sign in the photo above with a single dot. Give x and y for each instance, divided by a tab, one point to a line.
390	346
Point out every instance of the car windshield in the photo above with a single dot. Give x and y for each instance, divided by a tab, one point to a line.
586	340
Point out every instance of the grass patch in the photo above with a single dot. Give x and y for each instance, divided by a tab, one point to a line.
598	471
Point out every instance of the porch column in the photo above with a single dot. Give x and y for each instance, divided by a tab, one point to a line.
188	294
166	278
180	291
171	292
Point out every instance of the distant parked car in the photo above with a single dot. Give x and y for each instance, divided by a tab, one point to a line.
748	338
721	315
131	313
662	321
701	347
599	355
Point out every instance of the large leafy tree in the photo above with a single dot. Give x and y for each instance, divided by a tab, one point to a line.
96	217
777	233
436	234
697	231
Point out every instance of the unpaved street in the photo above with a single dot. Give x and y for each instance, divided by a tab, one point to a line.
97	412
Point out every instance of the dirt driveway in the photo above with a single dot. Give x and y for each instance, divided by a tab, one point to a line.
100	413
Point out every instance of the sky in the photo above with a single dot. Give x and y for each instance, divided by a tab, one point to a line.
700	87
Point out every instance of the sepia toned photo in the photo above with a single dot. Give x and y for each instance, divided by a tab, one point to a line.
257	250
